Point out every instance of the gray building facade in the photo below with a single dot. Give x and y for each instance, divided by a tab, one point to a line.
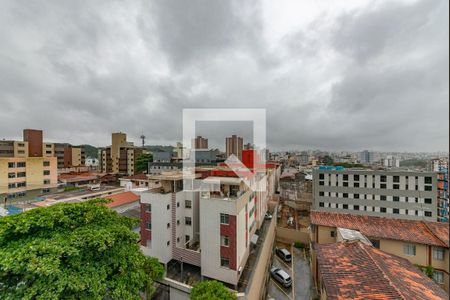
395	194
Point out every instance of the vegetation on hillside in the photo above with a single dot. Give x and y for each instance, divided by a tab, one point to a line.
420	163
73	251
142	161
90	151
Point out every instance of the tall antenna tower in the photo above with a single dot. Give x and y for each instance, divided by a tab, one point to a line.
143	140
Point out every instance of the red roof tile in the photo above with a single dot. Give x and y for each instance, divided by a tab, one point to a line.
421	232
122	199
355	270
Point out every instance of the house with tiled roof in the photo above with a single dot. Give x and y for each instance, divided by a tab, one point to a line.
423	243
356	270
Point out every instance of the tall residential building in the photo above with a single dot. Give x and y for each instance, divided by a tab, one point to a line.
69	156
24	175
367	157
234	145
213	230
200	143
397	194
391	162
119	158
441	167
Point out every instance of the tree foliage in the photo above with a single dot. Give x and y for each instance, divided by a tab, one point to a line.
211	290
73	251
142	161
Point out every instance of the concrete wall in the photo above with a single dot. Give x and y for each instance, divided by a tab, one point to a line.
291	235
257	286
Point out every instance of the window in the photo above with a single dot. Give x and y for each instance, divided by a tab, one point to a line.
345	206
178	239
345	176
11	175
409	249
224	262
438	253
168	206
356	184
11	165
321	176
46	181
345	184
383	209
356	196
333	233
178	222
383	198
148	208
224	241
168	243
396	211
21	174
321	194
396	186
46	172
178	204
21	164
383	178
355	177
46	164
345	195
355	207
396	179
224	219
428	214
428	200
168	225
395	198
321	183
428	180
438	277
382	186
187	203
149	226
376	243
11	185
428	188
188	221
321	204
187	238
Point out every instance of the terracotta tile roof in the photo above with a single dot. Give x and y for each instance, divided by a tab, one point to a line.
355	270
421	232
140	176
122	199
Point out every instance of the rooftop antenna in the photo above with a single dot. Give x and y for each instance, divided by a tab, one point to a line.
143	140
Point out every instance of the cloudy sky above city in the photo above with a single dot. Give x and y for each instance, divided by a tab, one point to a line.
332	74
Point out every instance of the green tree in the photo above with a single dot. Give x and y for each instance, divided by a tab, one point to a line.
327	160
211	290
73	251
142	161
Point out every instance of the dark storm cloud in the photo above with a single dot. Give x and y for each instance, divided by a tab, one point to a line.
374	76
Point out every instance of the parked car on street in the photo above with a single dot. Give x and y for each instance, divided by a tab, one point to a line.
281	276
284	254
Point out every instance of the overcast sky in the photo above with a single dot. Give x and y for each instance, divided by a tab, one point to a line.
332	74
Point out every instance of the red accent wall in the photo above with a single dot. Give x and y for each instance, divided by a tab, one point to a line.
145	233
34	139
229	252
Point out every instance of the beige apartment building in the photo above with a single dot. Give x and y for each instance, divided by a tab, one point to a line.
234	145
119	158
22	174
423	243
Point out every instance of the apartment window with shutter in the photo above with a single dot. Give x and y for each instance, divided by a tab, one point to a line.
438	253
409	249
224	219
224	241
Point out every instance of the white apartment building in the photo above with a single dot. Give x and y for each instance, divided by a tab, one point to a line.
210	229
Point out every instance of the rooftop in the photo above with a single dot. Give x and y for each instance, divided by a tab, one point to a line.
355	270
122	199
140	176
421	232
